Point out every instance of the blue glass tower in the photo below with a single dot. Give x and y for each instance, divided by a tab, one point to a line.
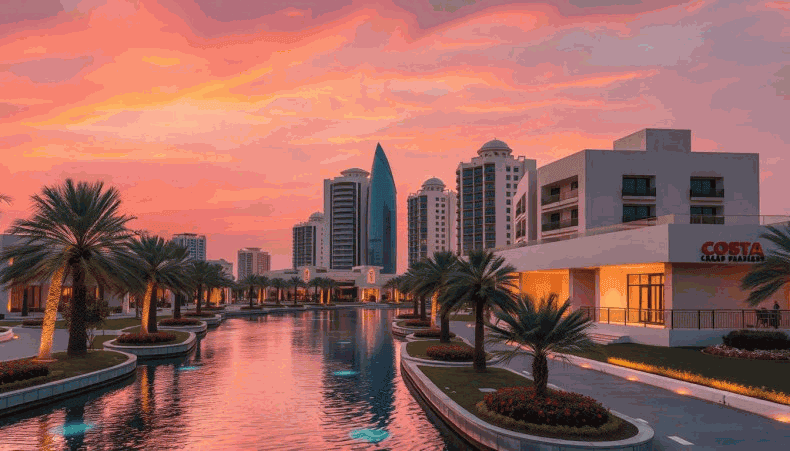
382	223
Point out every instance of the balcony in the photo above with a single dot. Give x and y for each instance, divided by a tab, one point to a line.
557	225
691	319
706	219
711	193
629	218
649	192
546	200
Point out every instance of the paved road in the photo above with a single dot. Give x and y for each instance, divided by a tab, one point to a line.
707	426
28	342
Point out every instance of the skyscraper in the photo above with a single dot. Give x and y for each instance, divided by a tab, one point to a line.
345	205
381	215
486	187
195	244
253	261
308	242
432	220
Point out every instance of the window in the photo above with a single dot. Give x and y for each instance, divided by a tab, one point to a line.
507	202
507	177
507	210
706	215
637	212
575	213
507	168
515	169
515	177
646	298
574	185
638	186
555	191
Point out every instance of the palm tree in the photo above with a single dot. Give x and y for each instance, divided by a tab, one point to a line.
200	273
162	264
538	329
296	283
76	230
434	276
315	282
279	284
482	281
767	277
217	280
249	284
330	284
411	279
263	282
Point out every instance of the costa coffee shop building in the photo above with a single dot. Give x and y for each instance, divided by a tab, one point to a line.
668	270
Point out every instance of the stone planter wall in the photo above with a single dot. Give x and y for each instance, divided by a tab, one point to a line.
26	398
487	436
155	351
406	356
200	329
7	335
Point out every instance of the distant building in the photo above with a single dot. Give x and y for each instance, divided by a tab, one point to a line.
486	188
382	245
252	260
308	242
431	220
195	244
227	267
345	202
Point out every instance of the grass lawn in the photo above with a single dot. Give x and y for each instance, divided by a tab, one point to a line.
773	375
463	384
66	367
3	329
10	323
180	337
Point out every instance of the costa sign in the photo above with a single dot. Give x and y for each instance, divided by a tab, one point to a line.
733	251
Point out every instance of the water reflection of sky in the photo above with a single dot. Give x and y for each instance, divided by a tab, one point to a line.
265	383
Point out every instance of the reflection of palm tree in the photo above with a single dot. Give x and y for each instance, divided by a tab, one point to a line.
540	329
75	229
767	277
482	281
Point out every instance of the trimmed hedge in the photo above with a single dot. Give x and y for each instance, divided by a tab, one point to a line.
199	315
726	351
556	409
179	322
33	322
19	370
158	337
451	353
408	316
757	339
431	333
417	323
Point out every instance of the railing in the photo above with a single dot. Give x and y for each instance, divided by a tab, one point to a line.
707	193
649	192
628	218
556	225
691	319
558	197
706	219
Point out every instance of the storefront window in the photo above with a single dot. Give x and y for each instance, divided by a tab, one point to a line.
646	298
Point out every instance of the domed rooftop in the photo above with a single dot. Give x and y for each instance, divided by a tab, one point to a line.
317	216
355	172
433	181
495	145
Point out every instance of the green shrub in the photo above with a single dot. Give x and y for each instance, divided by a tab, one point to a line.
431	333
158	337
179	322
418	323
36	322
19	370
451	353
757	339
556	409
408	316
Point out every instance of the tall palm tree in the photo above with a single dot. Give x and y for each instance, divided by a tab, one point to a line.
279	284
201	274
217	280
162	264
295	282
76	230
315	283
767	277
411	279
434	277
538	329
263	282
249	283
484	280
390	285
330	284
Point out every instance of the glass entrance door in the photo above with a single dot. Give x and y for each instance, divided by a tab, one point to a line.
646	298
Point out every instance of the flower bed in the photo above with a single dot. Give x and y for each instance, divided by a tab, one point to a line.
143	339
19	370
179	322
199	315
555	409
33	322
451	353
417	323
751	340
726	351
408	316
431	333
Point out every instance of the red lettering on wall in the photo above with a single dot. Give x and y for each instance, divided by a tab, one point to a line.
745	247
734	248
720	248
706	248
757	249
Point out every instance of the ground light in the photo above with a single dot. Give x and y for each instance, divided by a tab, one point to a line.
346	373
369	435
69	429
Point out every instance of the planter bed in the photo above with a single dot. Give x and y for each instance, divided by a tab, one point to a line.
184	343
400	329
199	329
415	351
455	394
66	378
6	333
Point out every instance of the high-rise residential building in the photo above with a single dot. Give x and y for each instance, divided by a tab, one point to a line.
486	188
253	261
382	215
432	220
345	202
195	244
308	242
227	267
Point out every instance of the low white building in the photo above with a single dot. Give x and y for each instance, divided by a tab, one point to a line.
361	283
651	239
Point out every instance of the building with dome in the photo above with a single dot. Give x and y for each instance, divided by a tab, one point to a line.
431	220
486	189
308	242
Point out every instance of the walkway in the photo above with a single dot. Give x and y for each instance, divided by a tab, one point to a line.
680	422
28	342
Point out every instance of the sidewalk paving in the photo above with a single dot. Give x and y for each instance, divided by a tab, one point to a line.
708	426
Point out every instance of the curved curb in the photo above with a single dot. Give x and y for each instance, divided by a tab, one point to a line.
155	352
487	436
200	329
404	331
210	321
7	335
757	406
411	337
25	398
405	355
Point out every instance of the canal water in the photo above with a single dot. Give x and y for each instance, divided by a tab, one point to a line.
315	380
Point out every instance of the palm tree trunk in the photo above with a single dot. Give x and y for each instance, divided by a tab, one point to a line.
416	305
250	296
199	298
24	301
480	351
78	333
51	314
444	335
423	315
295	288
540	373
315	294
146	316
177	306
152	312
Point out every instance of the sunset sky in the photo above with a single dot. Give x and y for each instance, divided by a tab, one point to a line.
223	117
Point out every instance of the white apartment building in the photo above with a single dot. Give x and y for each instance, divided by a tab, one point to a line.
195	244
650	239
345	205
308	242
253	261
432	220
486	189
